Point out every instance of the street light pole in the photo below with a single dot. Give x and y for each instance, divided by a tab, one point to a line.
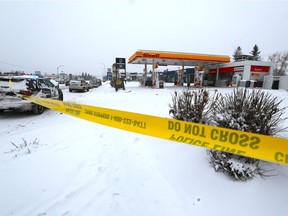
58	72
104	69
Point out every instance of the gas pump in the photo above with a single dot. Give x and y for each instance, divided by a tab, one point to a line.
198	79
180	77
155	77
236	79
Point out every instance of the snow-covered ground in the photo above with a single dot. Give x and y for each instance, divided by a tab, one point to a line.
81	168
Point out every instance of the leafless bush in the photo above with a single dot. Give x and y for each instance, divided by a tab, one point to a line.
236	167
245	110
192	106
251	111
24	147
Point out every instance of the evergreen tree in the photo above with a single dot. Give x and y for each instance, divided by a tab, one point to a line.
256	53
237	53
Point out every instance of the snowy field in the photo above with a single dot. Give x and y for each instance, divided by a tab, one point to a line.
76	167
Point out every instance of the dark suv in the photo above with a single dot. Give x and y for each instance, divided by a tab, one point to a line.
26	85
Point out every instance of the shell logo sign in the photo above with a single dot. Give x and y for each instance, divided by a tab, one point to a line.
151	55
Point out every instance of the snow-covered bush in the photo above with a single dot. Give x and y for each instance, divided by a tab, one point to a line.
192	106
246	110
236	167
252	111
249	110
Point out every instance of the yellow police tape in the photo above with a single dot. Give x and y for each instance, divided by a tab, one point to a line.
258	146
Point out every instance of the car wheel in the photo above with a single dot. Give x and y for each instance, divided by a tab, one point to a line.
70	90
37	109
87	89
60	95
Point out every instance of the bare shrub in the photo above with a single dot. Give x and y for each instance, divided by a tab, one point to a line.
246	110
24	147
236	167
192	106
251	111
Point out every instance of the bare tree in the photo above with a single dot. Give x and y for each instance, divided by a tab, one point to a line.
280	61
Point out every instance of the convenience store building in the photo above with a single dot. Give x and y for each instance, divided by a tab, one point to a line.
247	70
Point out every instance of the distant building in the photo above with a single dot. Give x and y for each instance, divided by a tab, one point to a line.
14	73
134	76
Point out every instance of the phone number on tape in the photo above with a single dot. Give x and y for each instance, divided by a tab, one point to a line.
127	121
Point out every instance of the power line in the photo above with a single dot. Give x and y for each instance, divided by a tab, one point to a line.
19	66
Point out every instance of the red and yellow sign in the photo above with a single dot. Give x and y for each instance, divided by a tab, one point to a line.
151	55
176	57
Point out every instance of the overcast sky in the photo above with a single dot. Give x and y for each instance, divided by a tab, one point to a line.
86	36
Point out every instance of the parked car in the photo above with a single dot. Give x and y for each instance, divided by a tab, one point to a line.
60	80
26	85
93	83
90	85
78	85
67	82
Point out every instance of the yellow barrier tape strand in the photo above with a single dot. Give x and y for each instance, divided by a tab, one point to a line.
247	144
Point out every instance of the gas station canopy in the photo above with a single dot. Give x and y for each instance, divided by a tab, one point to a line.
162	58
